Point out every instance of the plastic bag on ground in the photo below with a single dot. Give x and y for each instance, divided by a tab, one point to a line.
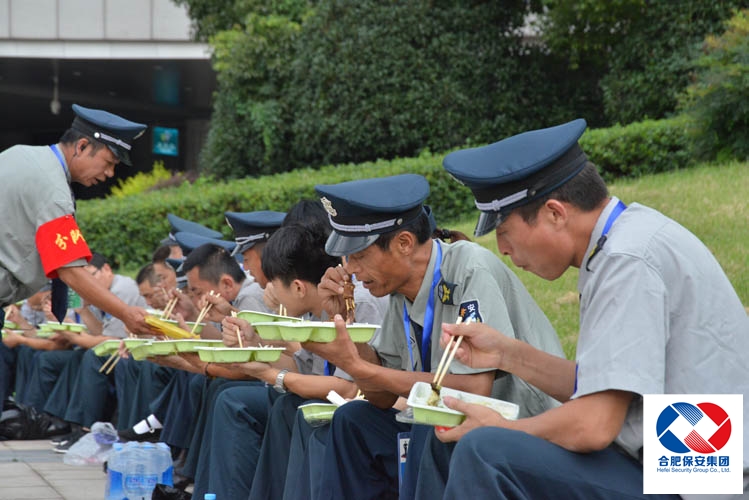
94	447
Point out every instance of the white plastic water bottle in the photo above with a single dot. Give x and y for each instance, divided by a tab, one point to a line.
115	465
135	476
152	472
165	464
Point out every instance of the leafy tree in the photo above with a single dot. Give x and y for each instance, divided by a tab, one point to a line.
718	99
642	49
213	16
379	79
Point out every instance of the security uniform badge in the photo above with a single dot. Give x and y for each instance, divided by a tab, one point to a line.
446	291
328	206
470	310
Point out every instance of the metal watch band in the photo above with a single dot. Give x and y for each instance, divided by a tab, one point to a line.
279	385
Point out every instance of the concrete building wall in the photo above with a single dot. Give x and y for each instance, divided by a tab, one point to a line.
126	20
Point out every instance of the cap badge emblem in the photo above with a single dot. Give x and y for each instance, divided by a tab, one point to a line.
328	206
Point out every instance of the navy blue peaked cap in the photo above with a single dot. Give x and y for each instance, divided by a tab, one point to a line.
177	266
111	130
190	241
251	228
517	170
180	225
360	211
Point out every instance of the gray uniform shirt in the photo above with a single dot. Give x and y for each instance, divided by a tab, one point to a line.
473	279
35	189
250	297
658	316
127	291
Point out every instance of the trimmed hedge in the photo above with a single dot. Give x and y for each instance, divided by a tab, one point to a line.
127	230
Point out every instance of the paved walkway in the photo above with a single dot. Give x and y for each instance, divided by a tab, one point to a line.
31	470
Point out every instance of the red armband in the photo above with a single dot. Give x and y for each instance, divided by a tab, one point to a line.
60	242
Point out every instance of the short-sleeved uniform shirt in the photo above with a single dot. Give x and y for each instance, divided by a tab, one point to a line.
125	289
658	316
474	281
35	189
250	297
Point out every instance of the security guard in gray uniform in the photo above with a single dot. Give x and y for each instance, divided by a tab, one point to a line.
383	229
657	316
39	237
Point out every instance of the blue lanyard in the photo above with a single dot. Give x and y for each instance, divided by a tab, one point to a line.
426	335
57	153
615	213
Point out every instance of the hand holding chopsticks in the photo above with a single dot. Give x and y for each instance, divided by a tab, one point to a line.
239	334
169	308
203	312
447	357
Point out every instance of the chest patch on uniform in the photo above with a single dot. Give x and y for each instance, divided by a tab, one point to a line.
445	292
470	309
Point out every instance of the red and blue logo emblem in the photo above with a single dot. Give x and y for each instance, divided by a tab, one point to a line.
702	428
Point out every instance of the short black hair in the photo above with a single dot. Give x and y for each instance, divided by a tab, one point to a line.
420	227
213	262
586	191
71	136
311	214
161	253
148	273
296	252
97	260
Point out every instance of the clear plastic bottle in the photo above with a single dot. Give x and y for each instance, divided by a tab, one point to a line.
135	473
165	464
115	465
152	472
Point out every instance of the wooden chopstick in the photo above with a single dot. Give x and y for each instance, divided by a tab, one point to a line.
202	314
450	359
169	307
111	367
442	365
239	336
106	363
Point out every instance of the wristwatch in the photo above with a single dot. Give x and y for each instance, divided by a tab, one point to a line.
278	386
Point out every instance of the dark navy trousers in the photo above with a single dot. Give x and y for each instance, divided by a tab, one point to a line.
93	397
177	407
228	461
270	475
305	464
52	379
361	455
25	365
200	441
492	462
137	385
7	369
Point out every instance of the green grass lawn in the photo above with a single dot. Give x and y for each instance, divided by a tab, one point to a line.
710	201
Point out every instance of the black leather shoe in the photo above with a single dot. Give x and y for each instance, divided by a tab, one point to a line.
181	482
151	436
64	446
57	427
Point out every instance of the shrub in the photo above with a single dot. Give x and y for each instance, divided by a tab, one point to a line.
142	181
718	100
639	148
